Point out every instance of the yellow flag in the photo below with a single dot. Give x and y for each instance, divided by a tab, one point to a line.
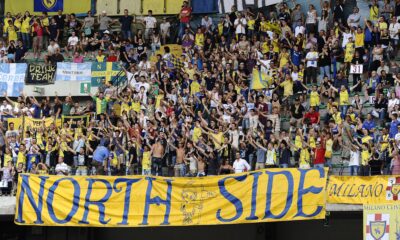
260	80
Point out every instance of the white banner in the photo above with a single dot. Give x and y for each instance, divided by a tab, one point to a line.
12	78
74	72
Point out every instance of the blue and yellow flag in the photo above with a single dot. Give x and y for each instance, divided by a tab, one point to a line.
48	5
106	70
260	80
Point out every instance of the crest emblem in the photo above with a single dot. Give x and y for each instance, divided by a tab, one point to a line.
395	189
378	229
49	3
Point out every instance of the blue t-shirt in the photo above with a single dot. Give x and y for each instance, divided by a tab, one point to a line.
100	154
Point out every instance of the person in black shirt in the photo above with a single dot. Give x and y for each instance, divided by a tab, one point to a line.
296	111
126	22
375	165
338	12
20	52
60	22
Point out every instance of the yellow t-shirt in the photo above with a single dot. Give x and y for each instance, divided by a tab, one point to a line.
12	34
25	27
264	26
146	161
7	158
344	98
5	26
21	158
45	22
365	155
328	148
287	88
136	106
359	41
337	118
384	146
314	99
284	59
250	24
220	28
100	58
218	139
373	13
158	100
297	142
194	87
196	134
114	160
199	39
304	157
312	142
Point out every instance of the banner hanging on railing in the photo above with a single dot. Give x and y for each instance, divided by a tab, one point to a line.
363	190
136	201
12	78
105	71
40	74
73	71
73	121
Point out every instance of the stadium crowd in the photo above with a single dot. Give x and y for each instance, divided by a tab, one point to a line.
199	114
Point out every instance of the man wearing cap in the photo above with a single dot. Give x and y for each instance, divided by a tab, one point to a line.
105	22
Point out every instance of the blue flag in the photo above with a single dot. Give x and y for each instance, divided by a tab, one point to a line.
48	5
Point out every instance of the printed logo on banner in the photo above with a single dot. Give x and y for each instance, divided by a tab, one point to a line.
393	189
49	3
378	226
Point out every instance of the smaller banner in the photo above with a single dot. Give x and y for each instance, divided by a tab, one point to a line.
73	72
12	78
356	69
73	120
105	71
381	221
363	190
40	74
32	123
48	5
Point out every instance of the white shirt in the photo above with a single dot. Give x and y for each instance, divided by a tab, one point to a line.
393	30
312	58
354	158
346	37
240	165
5	108
240	25
356	19
206	23
150	21
52	49
73	41
299	29
164	28
61	167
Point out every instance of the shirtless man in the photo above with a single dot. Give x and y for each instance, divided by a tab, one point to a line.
157	154
179	168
